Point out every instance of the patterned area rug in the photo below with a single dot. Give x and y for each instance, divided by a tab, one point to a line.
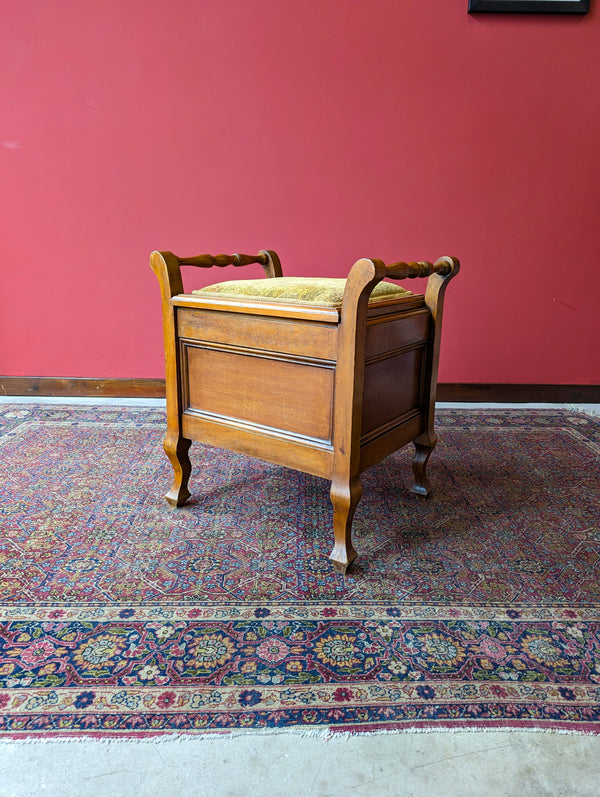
121	616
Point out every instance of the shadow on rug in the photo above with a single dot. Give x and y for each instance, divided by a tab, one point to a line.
122	616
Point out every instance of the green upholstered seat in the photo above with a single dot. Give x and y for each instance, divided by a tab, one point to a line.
311	291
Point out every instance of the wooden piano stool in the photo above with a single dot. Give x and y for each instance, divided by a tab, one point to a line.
324	376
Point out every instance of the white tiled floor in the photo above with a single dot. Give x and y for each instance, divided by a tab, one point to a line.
498	764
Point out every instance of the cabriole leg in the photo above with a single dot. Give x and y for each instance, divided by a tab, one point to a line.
176	448
345	498
423	449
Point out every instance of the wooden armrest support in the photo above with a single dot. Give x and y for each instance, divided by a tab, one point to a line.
363	277
365	274
167	267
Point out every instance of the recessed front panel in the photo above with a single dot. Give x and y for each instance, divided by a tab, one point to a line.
272	392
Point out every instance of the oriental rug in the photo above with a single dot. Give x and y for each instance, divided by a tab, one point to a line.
120	616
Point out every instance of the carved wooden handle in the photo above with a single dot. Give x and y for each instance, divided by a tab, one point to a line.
399	271
207	261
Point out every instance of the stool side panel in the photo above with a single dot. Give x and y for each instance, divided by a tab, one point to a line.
377	448
391	389
397	332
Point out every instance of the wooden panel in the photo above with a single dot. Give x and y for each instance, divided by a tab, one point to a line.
252	331
328	315
403	305
391	389
404	330
273	392
289	452
397	437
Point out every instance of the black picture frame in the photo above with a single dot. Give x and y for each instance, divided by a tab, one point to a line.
529	6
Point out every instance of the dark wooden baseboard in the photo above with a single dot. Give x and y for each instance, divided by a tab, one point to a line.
528	394
101	388
155	388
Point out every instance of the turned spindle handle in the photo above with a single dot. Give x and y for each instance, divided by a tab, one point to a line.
207	261
398	271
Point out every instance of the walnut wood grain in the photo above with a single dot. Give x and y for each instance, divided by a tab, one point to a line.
263	332
237	383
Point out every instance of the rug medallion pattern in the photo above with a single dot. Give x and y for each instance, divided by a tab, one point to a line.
122	616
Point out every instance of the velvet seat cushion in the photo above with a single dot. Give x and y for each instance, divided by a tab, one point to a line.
311	291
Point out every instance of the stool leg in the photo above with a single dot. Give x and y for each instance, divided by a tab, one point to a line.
423	448
176	448
345	496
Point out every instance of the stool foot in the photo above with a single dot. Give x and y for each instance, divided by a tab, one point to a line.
344	497
422	487
338	565
177	451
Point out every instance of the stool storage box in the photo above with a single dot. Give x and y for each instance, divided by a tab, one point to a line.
327	376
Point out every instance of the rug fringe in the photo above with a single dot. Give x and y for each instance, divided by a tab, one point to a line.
324	734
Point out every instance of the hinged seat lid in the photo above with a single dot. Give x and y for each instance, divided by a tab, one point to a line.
304	291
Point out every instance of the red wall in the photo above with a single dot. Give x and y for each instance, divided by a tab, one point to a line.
325	129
